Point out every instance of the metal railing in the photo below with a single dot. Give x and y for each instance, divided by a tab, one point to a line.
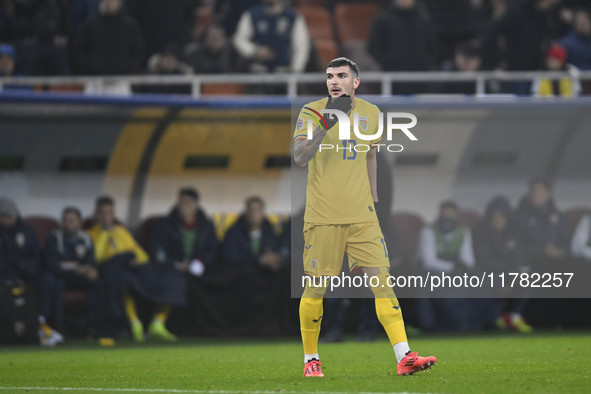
99	84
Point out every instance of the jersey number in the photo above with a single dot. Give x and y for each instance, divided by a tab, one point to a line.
353	151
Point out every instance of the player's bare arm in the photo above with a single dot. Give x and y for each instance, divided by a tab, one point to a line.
372	172
304	150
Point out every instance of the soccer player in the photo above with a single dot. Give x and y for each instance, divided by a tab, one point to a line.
341	202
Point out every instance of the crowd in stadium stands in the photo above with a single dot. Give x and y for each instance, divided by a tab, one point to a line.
183	265
123	37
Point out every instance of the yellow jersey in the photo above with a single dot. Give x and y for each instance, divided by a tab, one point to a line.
338	185
109	243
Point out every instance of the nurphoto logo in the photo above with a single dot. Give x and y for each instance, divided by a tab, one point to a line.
363	122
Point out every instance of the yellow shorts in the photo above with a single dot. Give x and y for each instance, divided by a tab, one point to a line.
326	245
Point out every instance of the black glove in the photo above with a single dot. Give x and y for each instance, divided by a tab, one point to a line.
343	103
375	206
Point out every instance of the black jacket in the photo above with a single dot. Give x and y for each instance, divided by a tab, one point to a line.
59	247
541	226
402	40
527	31
496	251
236	248
109	45
167	240
20	257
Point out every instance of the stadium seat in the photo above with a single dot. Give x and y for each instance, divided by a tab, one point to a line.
144	231
310	3
327	50
353	21
318	21
66	88
572	218
222	222
407	227
42	225
222	89
469	218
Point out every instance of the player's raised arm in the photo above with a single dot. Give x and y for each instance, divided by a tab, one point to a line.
305	149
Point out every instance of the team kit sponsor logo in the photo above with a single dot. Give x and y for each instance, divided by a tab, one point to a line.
360	123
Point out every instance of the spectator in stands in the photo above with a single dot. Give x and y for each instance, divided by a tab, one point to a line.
498	248
110	43
454	21
20	261
446	247
526	31
82	10
565	87
578	42
581	242
252	240
467	59
186	240
541	225
228	12
124	267
163	22
402	39
211	54
69	256
7	23
273	37
7	60
42	35
167	62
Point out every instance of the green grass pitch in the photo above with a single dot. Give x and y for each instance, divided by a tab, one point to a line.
540	363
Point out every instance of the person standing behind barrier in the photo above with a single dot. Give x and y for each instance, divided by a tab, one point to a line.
124	268
402	39
578	41
273	37
69	255
498	248
446	247
20	261
526	31
109	43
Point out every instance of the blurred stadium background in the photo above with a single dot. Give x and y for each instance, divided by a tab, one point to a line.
173	96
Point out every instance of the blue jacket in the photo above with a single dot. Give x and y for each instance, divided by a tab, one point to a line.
167	240
20	257
237	246
275	32
496	251
578	49
539	227
59	247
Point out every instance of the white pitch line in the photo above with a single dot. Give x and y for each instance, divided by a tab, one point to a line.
134	390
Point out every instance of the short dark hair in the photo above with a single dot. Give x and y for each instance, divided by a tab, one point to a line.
105	200
72	209
189	192
449	204
540	181
254	200
343	61
469	49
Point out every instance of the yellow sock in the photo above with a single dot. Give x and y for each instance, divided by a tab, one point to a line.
310	320
162	314
311	317
130	308
388	310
